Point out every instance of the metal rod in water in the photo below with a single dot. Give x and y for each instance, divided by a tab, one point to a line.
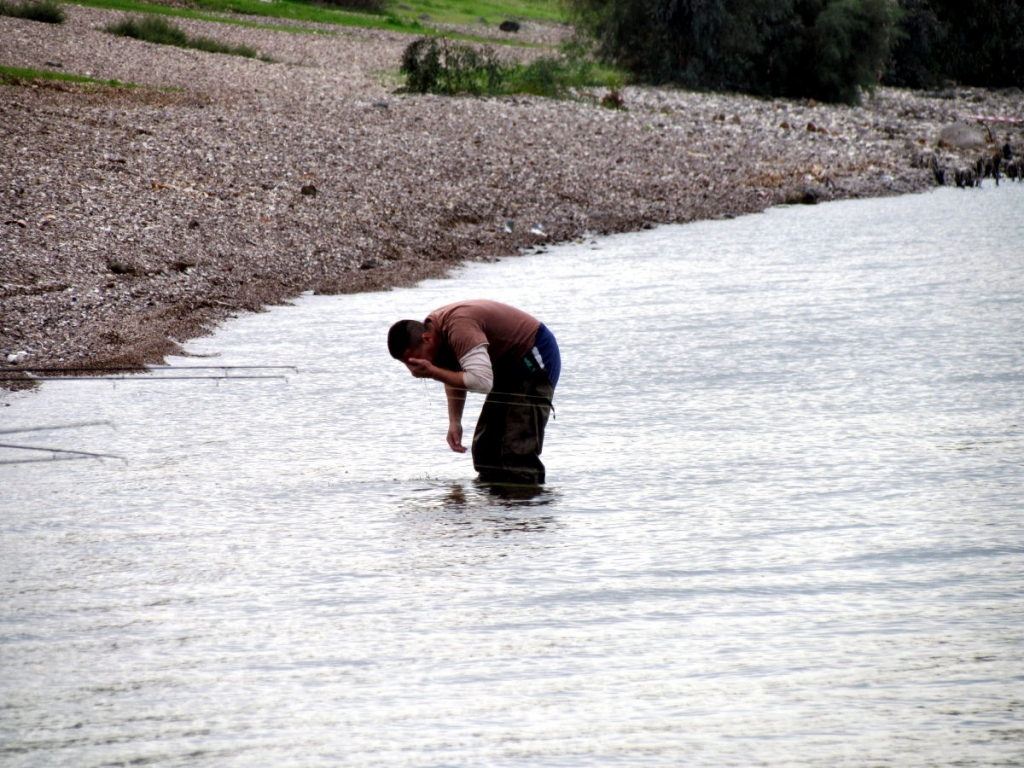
126	377
41	373
38	461
60	450
75	425
145	368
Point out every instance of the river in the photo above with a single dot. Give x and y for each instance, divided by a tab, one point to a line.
782	526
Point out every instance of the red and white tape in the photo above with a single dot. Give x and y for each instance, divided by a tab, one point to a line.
987	119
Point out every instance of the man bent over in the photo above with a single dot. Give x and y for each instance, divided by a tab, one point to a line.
489	347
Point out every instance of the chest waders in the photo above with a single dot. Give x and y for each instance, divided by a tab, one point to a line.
509	435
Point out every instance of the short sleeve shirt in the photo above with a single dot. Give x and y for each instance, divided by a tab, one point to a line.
508	332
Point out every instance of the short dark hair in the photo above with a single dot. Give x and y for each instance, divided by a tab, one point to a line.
404	335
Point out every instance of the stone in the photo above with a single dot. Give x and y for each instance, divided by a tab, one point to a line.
961	136
804	195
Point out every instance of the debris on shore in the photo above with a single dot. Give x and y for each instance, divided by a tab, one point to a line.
134	218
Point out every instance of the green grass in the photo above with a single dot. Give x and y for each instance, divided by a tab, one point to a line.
472	11
19	76
208	10
156	29
399	16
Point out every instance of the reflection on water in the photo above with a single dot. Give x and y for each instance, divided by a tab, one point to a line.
482	509
782	526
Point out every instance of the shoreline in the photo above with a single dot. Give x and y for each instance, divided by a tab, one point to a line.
137	218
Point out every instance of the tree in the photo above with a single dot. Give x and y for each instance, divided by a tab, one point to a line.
979	43
845	49
826	49
918	41
983	42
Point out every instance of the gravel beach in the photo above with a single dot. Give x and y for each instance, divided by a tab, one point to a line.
134	218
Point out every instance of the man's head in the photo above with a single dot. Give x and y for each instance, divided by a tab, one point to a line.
411	338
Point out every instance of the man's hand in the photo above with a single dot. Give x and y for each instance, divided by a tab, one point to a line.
420	368
455	438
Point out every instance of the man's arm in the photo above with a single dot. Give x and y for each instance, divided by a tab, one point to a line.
456	404
477	375
477	372
424	369
455	390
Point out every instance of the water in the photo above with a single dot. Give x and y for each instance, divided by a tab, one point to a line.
782	527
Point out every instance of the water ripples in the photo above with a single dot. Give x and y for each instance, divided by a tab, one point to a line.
782	526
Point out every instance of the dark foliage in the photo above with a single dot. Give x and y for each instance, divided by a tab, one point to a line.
438	65
47	11
360	6
155	29
918	40
826	49
613	100
421	65
980	43
152	29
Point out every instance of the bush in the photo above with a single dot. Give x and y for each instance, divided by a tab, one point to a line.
360	6
437	65
47	11
826	49
845	51
544	75
421	65
210	45
152	29
979	43
156	29
918	39
553	76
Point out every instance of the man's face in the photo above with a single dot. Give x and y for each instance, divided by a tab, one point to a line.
427	350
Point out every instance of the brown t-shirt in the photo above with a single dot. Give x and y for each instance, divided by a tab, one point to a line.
508	332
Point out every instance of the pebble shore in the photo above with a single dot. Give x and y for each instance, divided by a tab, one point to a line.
134	218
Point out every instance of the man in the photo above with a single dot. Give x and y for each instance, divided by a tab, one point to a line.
489	347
